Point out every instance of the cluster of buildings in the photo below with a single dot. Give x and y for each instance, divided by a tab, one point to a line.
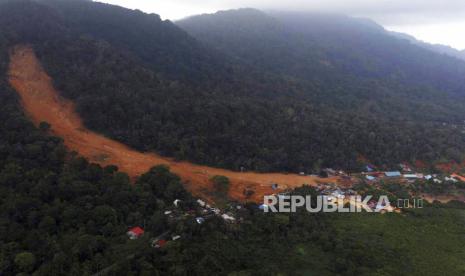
333	192
408	175
202	213
327	172
208	211
336	194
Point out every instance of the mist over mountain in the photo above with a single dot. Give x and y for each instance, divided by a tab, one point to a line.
442	49
357	46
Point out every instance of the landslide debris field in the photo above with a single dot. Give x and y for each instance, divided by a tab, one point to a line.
42	103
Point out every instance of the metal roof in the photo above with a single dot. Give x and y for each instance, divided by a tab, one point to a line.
392	174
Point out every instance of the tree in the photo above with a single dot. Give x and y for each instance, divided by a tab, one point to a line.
221	183
44	126
48	225
25	261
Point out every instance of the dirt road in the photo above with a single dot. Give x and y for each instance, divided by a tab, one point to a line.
42	102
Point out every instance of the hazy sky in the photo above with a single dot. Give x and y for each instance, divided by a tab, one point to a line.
434	21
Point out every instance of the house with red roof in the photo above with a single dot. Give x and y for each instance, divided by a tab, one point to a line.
135	233
159	243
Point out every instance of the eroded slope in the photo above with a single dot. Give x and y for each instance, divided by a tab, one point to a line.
43	103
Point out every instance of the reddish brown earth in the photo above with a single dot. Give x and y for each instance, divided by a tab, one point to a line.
42	102
458	176
451	167
443	198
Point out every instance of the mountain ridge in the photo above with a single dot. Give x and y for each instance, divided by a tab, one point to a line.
438	48
281	108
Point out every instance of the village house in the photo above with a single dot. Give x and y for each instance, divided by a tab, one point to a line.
393	174
405	168
330	171
459	177
201	202
370	178
159	243
411	176
369	168
342	173
228	218
135	233
451	179
338	194
216	211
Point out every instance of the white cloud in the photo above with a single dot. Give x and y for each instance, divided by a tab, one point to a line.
389	11
437	21
447	34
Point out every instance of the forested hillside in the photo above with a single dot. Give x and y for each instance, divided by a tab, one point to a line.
154	87
343	55
61	215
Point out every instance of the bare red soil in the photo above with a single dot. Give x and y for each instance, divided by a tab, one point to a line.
42	102
451	167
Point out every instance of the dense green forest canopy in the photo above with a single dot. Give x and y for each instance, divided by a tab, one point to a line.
156	88
60	215
314	46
